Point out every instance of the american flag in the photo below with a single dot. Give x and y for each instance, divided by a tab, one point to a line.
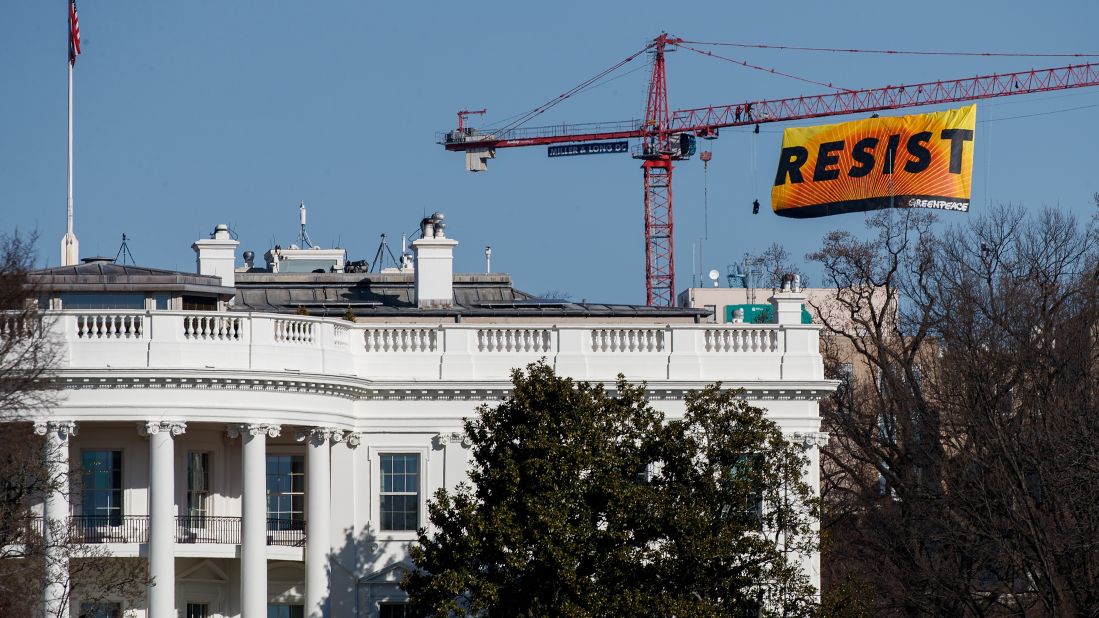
74	33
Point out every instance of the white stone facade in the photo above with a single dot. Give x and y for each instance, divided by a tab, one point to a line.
339	404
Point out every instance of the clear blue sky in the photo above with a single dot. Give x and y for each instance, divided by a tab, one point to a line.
190	114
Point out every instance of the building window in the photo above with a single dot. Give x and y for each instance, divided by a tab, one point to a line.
100	610
285	492
393	610
161	302
198	489
280	610
198	610
102	300
400	496
102	495
712	318
748	469
199	303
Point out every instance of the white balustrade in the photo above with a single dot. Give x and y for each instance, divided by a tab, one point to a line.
206	327
627	340
529	340
340	335
400	339
17	325
269	342
109	326
294	331
742	340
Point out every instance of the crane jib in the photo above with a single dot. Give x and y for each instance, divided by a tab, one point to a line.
662	127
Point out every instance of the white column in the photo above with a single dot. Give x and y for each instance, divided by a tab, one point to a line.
56	452
162	515
318	503
253	547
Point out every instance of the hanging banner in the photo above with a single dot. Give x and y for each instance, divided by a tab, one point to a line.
917	161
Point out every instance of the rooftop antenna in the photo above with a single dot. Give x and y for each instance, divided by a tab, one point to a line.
488	259
303	236
124	251
379	255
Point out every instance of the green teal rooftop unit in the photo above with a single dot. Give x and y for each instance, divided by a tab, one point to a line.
760	314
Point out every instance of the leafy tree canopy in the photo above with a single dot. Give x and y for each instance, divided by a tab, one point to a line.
583	502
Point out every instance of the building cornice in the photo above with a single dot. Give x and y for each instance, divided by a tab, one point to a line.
363	389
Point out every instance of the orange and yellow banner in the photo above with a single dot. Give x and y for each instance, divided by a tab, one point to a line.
918	161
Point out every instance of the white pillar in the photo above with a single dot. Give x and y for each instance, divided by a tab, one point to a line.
55	594
253	547
162	515
318	503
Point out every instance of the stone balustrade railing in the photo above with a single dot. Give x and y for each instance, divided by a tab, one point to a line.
443	351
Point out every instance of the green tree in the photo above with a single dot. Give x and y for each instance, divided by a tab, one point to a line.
583	502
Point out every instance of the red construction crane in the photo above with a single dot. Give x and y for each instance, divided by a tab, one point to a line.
668	136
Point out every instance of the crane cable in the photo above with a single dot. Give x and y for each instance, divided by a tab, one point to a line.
496	126
755	171
893	51
529	115
773	71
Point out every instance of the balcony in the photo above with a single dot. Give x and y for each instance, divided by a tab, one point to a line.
189	530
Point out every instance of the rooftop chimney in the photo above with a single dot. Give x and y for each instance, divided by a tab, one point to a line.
788	301
217	255
434	264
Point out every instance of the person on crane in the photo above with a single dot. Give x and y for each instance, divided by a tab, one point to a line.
748	112
737	113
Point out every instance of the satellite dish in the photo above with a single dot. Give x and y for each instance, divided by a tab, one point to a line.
714	275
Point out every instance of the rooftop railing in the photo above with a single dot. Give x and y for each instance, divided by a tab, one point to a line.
455	351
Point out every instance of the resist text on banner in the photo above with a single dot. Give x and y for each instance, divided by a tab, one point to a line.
917	161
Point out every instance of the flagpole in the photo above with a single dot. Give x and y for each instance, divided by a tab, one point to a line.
70	247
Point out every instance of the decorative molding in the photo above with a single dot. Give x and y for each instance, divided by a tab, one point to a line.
64	429
776	391
151	428
318	436
812	438
253	429
352	438
441	440
311	387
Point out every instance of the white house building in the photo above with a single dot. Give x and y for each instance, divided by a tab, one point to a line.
271	457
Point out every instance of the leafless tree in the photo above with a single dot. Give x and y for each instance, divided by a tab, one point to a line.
28	360
962	475
773	263
27	355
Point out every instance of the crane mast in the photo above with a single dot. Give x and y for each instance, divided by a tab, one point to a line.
657	152
667	136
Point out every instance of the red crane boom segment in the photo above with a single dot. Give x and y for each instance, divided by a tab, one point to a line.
667	136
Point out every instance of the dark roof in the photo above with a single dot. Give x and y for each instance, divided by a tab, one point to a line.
105	276
390	294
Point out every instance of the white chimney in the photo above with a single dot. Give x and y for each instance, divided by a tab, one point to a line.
434	264
217	255
787	303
